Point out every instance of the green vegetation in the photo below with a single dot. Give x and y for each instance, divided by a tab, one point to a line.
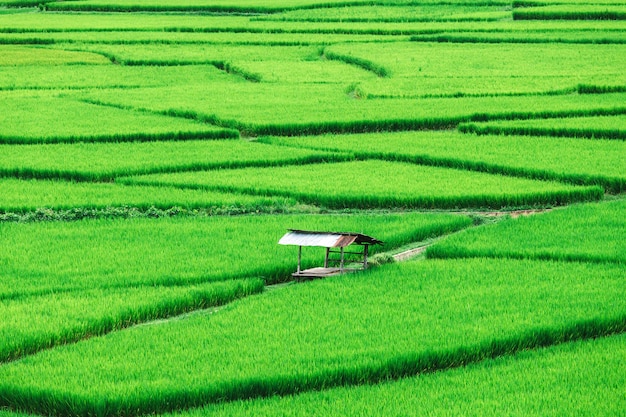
582	233
379	13
529	383
91	123
103	76
35	323
578	161
325	108
572	11
388	185
137	245
413	69
242	6
22	55
20	196
105	161
397	321
42	257
608	127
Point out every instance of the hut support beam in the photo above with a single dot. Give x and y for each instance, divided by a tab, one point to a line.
365	250
342	258
326	259
299	257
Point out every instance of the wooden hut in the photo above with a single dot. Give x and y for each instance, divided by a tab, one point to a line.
337	260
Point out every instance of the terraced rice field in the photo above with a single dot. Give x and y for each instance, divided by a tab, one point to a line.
152	154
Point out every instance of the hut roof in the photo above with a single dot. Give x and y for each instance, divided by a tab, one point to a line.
326	239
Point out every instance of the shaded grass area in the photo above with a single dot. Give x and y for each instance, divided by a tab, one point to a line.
581	233
379	184
588	162
400	320
599	36
600	127
39	322
105	161
578	378
45	257
91	123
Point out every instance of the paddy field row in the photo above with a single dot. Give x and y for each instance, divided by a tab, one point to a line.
181	128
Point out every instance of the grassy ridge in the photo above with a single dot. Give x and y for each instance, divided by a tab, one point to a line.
529	383
40	322
91	123
393	322
597	162
52	256
582	233
105	161
607	127
379	184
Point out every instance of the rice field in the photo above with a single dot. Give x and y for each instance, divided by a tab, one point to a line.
600	127
427	316
578	161
152	154
389	184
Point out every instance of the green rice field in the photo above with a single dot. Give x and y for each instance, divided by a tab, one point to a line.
154	153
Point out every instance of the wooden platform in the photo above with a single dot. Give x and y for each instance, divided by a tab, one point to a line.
319	272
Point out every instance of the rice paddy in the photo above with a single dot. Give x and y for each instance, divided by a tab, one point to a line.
152	154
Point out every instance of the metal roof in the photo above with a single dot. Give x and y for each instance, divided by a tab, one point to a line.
326	239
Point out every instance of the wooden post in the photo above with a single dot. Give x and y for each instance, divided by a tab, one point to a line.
341	264
365	247
299	257
326	259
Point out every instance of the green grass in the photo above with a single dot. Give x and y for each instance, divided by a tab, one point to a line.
105	161
326	108
158	36
21	196
413	69
572	12
588	232
379	13
597	162
176	54
397	321
242	6
40	322
102	76
36	22
11	55
67	120
42	257
379	184
546	382
607	127
597	36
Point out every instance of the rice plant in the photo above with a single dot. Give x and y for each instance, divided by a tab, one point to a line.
397	321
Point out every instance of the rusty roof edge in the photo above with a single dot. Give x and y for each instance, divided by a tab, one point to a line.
359	238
